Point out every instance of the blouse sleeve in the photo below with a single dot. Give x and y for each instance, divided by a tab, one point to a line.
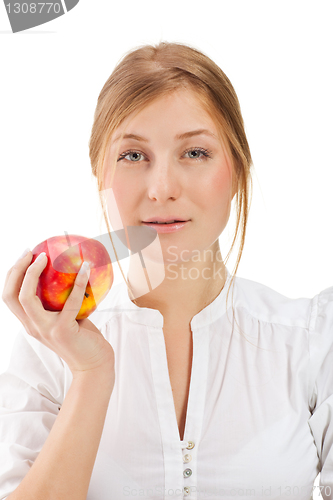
321	386
32	390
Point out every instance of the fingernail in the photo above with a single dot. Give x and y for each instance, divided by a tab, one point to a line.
24	254
40	256
85	268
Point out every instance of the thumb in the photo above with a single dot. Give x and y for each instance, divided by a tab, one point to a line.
74	302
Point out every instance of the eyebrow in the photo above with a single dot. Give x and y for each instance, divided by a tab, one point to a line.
185	135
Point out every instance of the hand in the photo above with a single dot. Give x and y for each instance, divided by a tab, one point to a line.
78	342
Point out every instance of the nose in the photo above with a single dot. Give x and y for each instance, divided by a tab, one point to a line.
163	181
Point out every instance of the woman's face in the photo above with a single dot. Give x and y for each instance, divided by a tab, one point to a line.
161	175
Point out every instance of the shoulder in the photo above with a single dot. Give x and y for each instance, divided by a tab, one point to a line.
268	305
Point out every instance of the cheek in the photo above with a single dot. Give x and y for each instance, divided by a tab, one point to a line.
222	181
218	189
124	193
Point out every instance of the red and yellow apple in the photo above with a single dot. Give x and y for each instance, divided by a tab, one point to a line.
65	255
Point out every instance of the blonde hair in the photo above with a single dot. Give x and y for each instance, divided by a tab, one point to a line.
152	71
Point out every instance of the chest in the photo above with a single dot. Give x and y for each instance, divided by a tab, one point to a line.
179	351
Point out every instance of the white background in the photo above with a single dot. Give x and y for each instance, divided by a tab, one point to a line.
278	56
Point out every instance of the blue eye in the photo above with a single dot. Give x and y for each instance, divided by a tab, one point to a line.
127	153
204	153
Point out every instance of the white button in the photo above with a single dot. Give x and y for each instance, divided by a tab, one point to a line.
187	472
186	491
190	445
187	458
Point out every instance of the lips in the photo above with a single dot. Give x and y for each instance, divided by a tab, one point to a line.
166	226
165	220
169	222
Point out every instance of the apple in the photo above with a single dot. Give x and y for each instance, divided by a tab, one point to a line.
65	255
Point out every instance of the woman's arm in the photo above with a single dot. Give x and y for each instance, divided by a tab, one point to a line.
64	466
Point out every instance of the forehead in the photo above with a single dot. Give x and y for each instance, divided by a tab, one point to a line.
180	110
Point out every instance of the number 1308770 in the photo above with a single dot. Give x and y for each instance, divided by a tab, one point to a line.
33	8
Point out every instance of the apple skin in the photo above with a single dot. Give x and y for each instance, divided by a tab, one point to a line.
65	255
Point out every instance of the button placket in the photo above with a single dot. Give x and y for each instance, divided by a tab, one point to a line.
195	410
187	472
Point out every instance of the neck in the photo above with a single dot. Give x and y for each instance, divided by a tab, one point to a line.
179	290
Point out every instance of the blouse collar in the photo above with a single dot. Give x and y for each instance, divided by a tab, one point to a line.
152	317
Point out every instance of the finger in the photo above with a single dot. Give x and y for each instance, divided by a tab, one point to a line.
15	277
74	302
30	302
12	287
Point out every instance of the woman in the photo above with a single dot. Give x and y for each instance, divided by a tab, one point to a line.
180	389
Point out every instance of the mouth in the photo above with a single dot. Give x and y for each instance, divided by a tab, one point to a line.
161	223
170	226
161	220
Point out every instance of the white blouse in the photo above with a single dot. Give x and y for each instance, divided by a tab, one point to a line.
259	416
